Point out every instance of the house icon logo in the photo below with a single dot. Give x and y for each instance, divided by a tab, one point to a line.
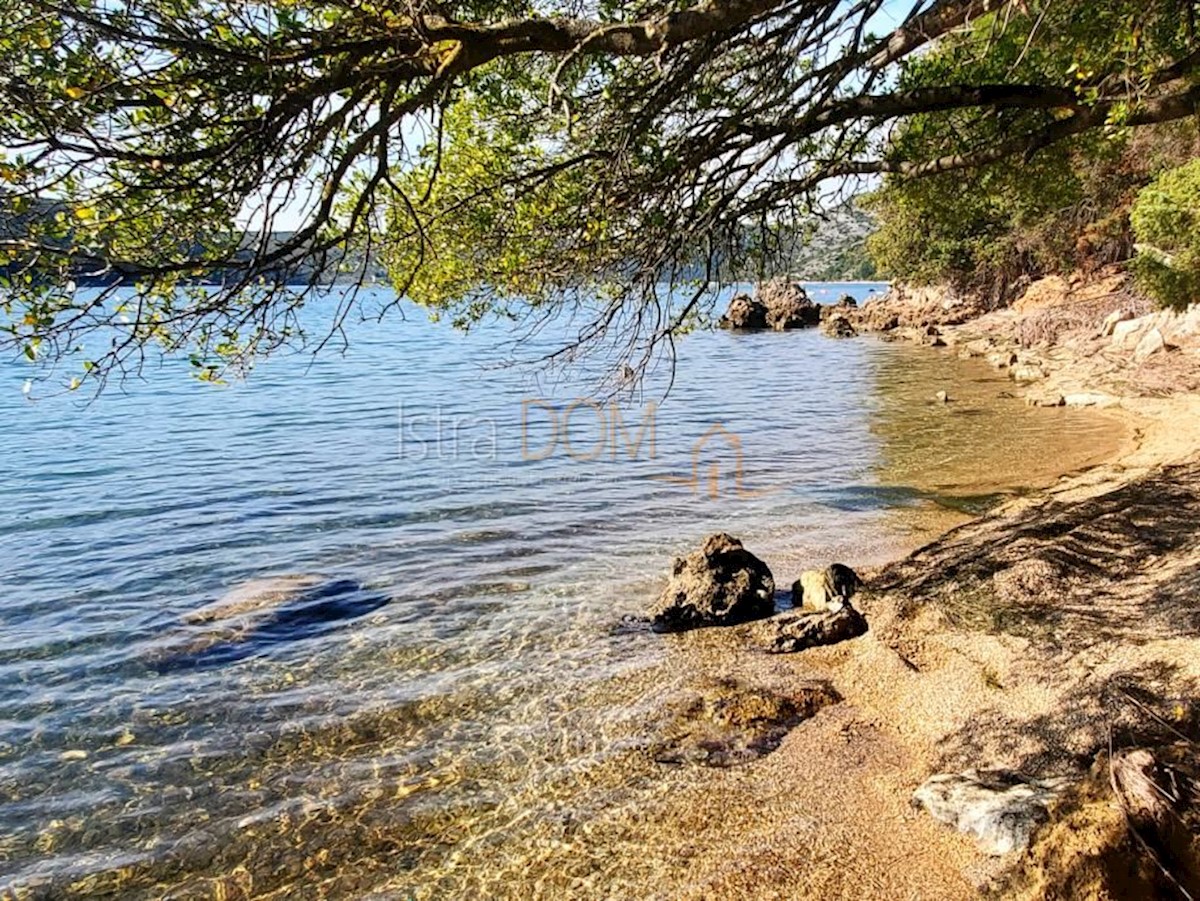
706	476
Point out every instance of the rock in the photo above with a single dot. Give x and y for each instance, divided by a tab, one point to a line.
721	584
252	597
979	347
1045	292
1089	399
942	397
798	630
845	305
1045	400
788	305
838	327
1151	343
259	614
725	723
744	313
1027	372
1002	359
1111	320
999	809
1124	334
829	589
911	307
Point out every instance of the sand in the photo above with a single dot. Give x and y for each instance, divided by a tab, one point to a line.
1035	638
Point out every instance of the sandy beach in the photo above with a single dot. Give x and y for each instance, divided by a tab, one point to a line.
1043	637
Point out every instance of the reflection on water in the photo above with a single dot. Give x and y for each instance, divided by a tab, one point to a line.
434	701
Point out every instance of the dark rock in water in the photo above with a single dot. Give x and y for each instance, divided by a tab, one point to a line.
999	809
788	305
722	584
725	723
844	307
778	304
261	614
829	589
744	313
795	630
838	327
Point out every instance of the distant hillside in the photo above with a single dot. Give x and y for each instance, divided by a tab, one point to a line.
833	251
837	249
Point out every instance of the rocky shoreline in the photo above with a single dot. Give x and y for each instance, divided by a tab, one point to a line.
1038	668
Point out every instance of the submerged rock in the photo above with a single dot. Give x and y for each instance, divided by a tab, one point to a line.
261	613
719	585
999	809
744	313
726	723
237	606
796	630
827	590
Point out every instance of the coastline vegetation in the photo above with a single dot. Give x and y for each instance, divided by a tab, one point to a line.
513	160
1054	209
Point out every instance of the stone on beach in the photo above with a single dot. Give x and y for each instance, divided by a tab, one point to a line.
1125	332
1151	343
721	584
1027	372
798	630
826	590
1110	322
1089	399
999	809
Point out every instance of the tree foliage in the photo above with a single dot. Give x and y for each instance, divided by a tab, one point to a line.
1166	221
522	158
1058	207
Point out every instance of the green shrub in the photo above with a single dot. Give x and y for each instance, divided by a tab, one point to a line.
1166	223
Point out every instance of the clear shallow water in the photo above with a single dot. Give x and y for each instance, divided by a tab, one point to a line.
461	698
